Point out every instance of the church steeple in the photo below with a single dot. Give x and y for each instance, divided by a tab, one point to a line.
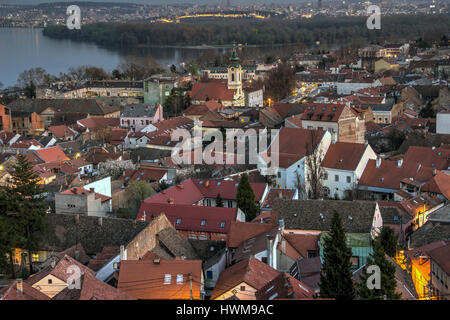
235	75
234	59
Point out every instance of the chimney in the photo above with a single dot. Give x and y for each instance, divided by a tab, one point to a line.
77	218
280	195
434	172
378	162
157	260
269	249
399	163
122	253
19	285
100	221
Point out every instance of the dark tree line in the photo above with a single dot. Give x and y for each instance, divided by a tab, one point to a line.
328	30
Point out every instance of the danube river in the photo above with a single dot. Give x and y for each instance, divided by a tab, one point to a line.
25	48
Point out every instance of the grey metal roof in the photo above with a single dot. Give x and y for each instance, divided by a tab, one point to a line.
357	217
139	110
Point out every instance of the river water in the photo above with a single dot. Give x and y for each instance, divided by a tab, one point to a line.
25	48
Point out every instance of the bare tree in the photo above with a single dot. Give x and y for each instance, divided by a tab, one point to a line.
138	68
38	76
300	186
315	173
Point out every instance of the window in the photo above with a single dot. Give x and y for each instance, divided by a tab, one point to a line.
35	257
242	288
230	203
179	279
222	224
312	254
279	174
208	202
203	223
355	262
264	259
209	274
325	176
349	179
167	278
178	220
326	191
336	177
50	281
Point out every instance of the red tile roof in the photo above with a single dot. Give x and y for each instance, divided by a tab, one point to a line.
144	173
441	257
61	132
303	243
98	122
26	144
242	231
93	288
60	270
295	143
419	203
212	90
51	154
143	279
439	184
193	190
275	194
344	155
251	271
6	136
418	163
10	292
81	191
328	112
190	217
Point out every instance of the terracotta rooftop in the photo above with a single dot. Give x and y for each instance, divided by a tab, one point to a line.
344	155
166	279
191	217
253	272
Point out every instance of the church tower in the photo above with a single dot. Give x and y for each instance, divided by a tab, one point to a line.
235	76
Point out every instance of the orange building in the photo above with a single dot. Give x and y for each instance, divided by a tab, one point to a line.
420	267
5	118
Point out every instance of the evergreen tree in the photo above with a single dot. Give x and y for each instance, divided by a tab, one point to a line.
8	235
387	277
25	207
388	240
219	202
187	102
30	90
336	274
245	198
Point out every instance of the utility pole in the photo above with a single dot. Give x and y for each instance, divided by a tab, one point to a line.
190	284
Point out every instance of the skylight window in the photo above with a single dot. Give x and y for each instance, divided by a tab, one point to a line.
178	220
222	224
203	223
179	279
167	278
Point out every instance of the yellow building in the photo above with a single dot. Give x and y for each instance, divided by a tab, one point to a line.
386	64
